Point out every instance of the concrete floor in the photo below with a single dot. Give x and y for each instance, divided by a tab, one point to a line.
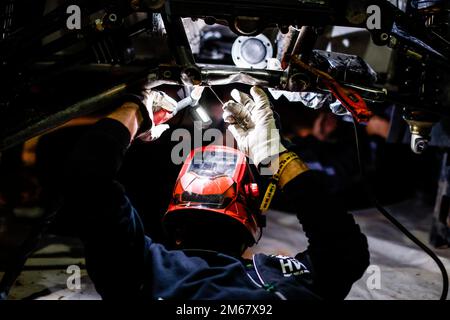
405	271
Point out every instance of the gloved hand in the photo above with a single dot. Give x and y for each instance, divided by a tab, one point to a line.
252	123
156	108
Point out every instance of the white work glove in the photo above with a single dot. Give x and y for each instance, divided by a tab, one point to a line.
252	124
156	108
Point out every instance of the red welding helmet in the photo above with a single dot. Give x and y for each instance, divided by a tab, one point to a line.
217	181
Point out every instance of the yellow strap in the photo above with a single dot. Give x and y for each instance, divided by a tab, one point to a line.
285	159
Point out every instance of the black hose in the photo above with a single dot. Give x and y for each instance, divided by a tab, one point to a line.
421	245
397	224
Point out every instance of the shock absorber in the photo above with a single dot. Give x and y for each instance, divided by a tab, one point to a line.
430	84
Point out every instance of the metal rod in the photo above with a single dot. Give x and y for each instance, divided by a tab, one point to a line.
78	109
178	40
224	76
287	46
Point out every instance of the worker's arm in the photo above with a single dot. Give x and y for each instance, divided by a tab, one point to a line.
129	116
337	250
109	226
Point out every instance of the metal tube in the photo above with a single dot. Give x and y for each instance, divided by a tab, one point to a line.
370	94
178	41
78	109
305	43
223	76
182	104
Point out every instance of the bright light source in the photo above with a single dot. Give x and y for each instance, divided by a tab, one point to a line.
200	116
203	115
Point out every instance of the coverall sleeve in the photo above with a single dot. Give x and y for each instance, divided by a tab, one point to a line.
337	251
109	226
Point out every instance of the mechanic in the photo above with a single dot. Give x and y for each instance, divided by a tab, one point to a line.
204	261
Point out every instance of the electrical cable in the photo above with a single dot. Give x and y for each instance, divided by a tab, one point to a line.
396	223
216	95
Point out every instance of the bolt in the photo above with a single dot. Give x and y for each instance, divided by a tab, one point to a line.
421	145
167	74
393	42
112	17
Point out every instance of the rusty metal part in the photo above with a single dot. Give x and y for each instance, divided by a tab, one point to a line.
305	43
288	44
